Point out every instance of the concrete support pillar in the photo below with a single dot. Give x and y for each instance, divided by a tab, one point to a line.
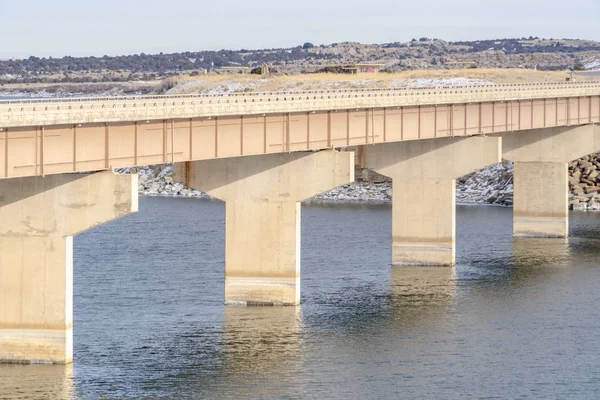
424	176
263	195
541	199
38	218
541	189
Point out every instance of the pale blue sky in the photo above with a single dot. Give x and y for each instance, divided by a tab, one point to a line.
115	27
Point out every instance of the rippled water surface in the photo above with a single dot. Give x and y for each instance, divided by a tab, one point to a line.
514	319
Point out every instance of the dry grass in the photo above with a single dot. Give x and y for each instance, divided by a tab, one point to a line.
499	75
255	83
213	83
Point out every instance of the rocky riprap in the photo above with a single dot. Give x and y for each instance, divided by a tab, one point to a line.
491	185
584	183
157	180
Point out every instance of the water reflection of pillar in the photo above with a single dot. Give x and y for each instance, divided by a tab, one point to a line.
532	259
536	252
260	343
36	382
422	295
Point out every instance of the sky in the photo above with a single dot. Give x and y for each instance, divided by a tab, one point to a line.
44	28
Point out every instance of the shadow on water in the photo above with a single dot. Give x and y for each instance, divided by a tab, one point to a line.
412	298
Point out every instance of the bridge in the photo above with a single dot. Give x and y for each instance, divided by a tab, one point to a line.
264	153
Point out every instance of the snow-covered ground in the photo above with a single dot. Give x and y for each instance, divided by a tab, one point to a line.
592	64
212	88
239	85
427	83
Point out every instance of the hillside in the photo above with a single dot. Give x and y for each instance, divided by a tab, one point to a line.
419	54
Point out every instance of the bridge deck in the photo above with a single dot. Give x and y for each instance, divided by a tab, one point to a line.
49	136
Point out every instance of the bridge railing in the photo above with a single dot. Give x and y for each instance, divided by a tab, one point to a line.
524	86
52	111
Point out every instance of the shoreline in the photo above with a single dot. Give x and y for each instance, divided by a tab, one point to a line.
490	186
313	201
357	202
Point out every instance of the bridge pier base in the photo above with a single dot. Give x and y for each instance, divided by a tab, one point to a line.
38	218
541	188
424	176
262	196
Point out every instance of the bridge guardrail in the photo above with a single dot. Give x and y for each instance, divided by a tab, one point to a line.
53	111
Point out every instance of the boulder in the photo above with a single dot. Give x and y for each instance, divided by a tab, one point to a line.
592	189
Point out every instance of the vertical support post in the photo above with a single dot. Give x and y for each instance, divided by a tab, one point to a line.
308	130
135	143
512	116
242	135
283	133
519	105
191	139
328	129
435	121
401	123
265	133
6	152
172	140
466	107
480	130
164	140
452	120
107	144
217	137
419	122
366	126
348	127
532	120
373	125
493	116
36	152
384	124
42	129
74	148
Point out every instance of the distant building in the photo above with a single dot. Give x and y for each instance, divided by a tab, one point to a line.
366	68
461	64
235	70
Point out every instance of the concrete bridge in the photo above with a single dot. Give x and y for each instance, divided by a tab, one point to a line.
263	154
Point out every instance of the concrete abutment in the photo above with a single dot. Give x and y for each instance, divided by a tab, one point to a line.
262	196
38	218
